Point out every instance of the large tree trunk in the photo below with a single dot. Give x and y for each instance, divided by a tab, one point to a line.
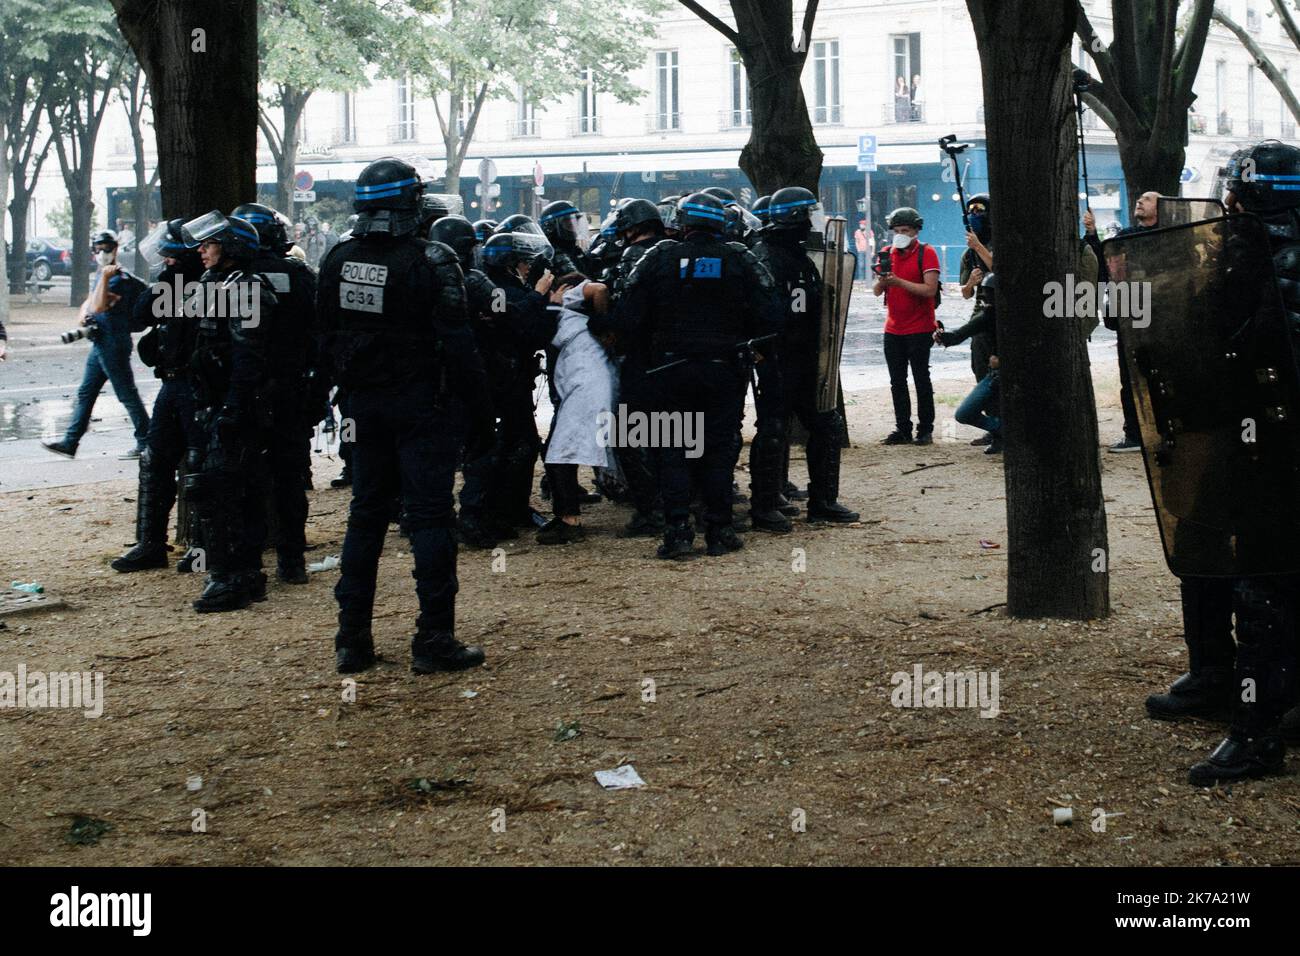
4	263
1150	165
292	104
82	216
143	202
201	60
18	209
1056	518
782	148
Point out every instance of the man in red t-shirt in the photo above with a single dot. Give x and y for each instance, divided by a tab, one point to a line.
909	288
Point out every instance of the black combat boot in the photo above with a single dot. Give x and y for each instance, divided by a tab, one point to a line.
255	584
1206	691
1240	757
224	592
644	524
432	652
186	564
354	650
765	485
722	539
473	533
344	480
824	483
679	541
291	570
558	531
788	507
150	550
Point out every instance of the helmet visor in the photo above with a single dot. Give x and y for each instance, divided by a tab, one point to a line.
582	232
530	245
203	227
817	217
151	246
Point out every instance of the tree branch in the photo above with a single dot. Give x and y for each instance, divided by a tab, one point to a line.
714	22
1262	61
273	141
1109	92
805	32
1288	22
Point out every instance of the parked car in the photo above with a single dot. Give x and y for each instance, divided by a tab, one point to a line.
48	257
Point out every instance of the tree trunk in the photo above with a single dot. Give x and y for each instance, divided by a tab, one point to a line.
18	209
782	148
292	104
81	220
1150	166
4	263
143	202
201	60
1057	550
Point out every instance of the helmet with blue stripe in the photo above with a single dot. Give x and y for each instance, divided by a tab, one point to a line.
271	226
1265	177
703	212
238	238
791	208
388	183
760	208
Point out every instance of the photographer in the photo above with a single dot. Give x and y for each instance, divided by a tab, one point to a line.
108	327
908	277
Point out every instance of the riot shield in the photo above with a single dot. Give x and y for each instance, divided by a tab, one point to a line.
1214	382
1177	211
836	264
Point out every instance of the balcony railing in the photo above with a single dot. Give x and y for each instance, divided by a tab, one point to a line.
1224	126
826	115
1196	123
524	128
898	110
584	125
734	119
1256	127
402	132
663	121
1288	129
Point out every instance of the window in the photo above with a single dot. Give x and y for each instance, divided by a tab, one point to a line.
1224	124
404	131
666	115
588	117
908	98
525	114
826	81
738	115
347	131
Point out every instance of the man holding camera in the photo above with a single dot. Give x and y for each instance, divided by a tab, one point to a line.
907	274
106	316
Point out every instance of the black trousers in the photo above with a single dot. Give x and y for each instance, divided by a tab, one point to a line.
1131	430
174	437
406	443
705	399
290	462
231	499
564	490
901	353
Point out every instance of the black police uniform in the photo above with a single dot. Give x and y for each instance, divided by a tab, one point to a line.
175	438
695	299
393	314
482	296
297	393
230	373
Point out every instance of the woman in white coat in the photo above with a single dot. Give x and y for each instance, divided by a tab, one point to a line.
586	379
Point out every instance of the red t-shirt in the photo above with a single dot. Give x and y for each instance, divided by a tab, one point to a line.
908	314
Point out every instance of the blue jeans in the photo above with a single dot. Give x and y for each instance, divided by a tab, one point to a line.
109	361
979	406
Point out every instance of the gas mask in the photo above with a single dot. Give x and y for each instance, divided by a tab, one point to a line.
104	257
901	241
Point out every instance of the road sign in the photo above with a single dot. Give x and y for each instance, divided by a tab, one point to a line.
1189	175
303	180
867	153
539	177
493	190
487	171
304	195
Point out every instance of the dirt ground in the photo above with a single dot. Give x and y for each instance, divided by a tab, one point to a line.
770	739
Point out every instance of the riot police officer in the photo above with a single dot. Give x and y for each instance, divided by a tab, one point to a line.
515	262
230	373
296	388
570	236
483	301
695	300
781	250
174	436
393	316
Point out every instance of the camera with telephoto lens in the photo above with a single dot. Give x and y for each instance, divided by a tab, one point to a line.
90	332
882	266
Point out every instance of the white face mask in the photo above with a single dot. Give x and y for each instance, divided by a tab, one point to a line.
902	240
104	258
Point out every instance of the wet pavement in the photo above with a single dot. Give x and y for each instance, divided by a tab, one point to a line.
38	385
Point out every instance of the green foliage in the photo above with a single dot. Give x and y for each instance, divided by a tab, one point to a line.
60	221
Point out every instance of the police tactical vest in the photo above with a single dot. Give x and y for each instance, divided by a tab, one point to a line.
700	312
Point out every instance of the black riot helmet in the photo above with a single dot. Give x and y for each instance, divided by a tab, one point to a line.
457	232
701	211
636	213
791	207
239	240
166	241
507	249
979	213
388	183
432	208
668	213
760	209
270	226
484	228
734	229
725	196
607	247
1265	178
519	223
565	225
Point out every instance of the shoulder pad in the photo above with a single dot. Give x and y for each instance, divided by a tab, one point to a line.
440	254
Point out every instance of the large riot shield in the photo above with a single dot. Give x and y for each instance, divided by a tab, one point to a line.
1179	211
837	265
1213	378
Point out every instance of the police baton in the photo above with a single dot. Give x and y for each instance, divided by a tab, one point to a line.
745	346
